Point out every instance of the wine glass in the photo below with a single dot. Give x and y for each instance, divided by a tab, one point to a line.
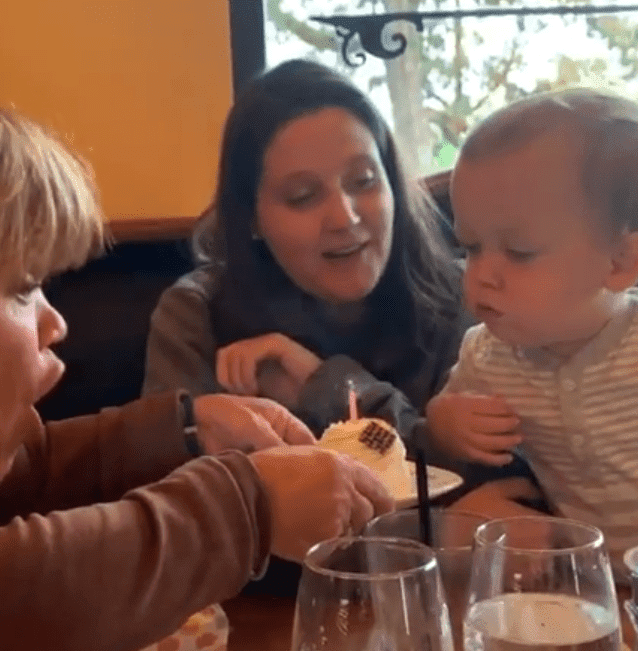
541	583
451	538
371	594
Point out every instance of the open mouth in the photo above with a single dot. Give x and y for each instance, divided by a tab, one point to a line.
484	312
345	252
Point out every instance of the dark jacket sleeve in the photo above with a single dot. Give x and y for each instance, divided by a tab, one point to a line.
149	548
180	351
324	398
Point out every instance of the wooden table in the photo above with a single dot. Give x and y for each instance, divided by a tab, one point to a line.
260	623
265	623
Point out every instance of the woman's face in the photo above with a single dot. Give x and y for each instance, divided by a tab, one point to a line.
325	207
29	368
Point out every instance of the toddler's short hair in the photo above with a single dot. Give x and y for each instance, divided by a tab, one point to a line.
50	217
604	129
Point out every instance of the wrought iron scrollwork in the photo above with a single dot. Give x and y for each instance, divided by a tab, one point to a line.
370	28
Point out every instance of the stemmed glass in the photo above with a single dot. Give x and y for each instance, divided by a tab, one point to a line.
541	583
371	594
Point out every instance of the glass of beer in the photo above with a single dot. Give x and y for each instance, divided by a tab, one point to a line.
541	583
371	594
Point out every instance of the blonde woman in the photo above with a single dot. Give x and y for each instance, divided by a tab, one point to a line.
114	528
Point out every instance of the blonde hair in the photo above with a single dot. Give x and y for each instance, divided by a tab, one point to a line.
603	128
50	217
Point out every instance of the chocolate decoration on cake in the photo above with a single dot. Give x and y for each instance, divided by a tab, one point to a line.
377	437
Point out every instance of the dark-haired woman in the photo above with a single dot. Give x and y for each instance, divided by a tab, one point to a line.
320	264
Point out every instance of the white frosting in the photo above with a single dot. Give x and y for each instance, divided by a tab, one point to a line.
391	465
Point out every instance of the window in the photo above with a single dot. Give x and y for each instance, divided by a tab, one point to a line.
457	69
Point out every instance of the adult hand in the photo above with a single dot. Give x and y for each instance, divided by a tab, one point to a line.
474	427
316	494
271	365
245	423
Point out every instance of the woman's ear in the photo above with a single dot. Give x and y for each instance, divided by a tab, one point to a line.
624	267
254	231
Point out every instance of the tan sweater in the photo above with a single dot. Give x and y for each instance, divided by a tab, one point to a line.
111	537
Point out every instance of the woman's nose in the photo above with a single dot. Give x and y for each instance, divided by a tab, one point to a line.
52	327
341	211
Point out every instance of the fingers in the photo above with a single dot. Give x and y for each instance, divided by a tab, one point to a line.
493	450
282	422
293	431
362	512
370	487
285	425
236	371
489	405
224	422
484	424
237	364
221	369
494	442
491	459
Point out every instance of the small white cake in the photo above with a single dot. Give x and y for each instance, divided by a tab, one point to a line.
377	445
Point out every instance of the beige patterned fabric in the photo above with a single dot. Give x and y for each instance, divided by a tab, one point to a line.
207	629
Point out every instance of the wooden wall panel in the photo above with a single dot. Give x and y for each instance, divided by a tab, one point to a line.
139	87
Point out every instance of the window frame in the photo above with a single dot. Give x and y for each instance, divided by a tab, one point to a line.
247	40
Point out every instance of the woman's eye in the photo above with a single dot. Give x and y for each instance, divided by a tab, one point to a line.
24	294
364	181
301	199
520	256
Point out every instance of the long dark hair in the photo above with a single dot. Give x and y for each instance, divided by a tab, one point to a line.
419	268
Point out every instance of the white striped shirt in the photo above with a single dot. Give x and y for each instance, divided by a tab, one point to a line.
579	418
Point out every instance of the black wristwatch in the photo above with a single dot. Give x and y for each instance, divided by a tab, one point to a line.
189	425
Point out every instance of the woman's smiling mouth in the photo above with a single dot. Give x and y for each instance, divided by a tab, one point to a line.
336	254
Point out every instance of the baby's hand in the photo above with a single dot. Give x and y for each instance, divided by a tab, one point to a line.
474	427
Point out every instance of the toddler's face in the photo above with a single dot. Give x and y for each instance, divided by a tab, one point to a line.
28	367
536	267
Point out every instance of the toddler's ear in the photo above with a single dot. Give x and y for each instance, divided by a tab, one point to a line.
624	270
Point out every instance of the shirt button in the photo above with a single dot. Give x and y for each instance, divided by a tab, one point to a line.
569	384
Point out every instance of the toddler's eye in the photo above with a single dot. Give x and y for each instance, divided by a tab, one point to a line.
471	250
520	256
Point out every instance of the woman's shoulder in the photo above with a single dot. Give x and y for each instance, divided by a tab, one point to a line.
202	283
189	296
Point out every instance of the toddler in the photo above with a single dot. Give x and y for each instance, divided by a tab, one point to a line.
545	203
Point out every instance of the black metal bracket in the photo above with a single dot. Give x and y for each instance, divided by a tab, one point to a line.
369	28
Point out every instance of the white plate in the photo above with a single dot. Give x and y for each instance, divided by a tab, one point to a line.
440	481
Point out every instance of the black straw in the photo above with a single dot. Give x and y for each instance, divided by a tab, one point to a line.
425	530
